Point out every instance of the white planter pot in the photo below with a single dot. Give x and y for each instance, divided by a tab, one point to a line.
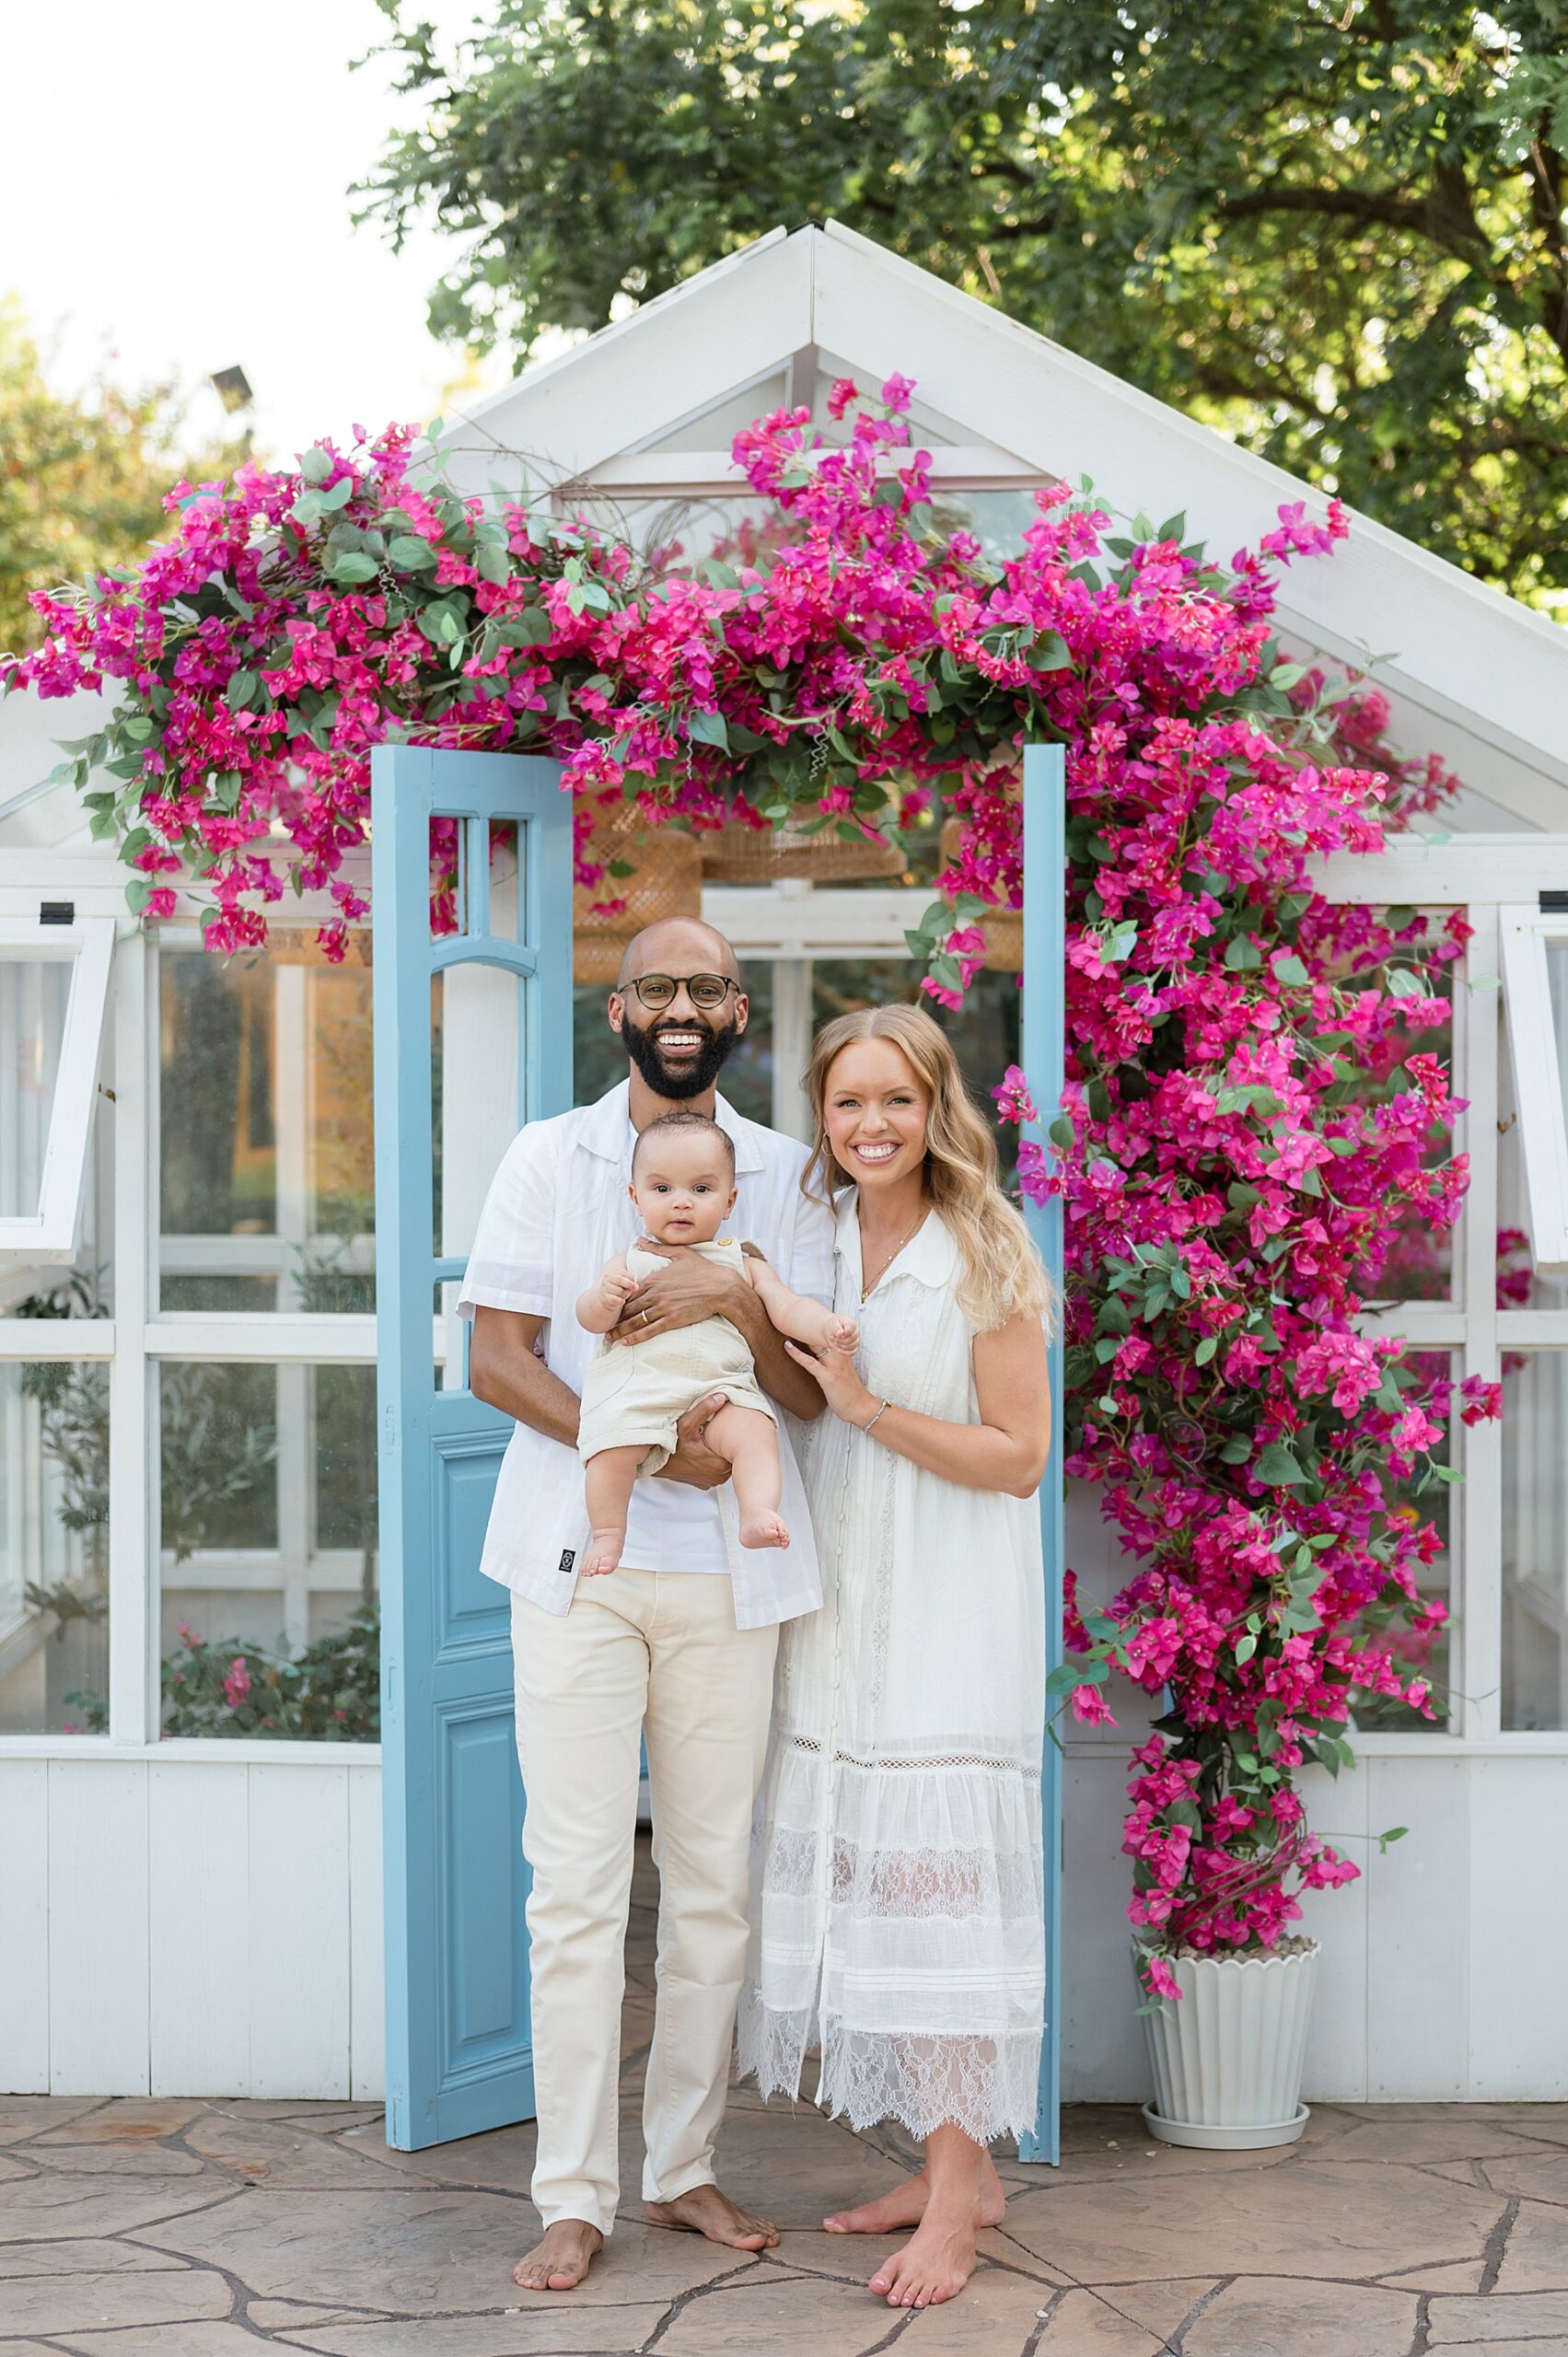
1227	2058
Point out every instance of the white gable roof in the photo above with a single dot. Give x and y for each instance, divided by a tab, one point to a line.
1471	673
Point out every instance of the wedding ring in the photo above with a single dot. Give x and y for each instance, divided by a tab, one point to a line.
644	1317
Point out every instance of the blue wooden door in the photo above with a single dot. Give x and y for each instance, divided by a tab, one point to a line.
1045	967
474	1037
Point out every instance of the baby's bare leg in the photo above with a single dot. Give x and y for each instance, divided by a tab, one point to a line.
607	1488
750	1441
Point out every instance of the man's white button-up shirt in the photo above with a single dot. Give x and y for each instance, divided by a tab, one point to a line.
556	1212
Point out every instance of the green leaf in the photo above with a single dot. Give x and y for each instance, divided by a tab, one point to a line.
1205	1349
708	728
1279	1468
1242	954
1060	1132
1245	1648
494	564
241	690
1289	969
316	464
352	570
138	892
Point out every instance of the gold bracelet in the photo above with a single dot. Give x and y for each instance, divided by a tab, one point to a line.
881	1412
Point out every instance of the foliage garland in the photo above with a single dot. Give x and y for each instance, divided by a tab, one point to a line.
1249	1119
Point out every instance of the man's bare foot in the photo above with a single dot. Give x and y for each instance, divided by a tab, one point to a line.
932	2267
763	1531
707	2211
602	1552
905	2206
562	2257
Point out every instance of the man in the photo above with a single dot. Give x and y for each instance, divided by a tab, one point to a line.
679	1640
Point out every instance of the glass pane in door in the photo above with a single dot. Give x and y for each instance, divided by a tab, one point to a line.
34	995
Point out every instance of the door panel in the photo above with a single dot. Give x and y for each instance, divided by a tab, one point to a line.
473	1033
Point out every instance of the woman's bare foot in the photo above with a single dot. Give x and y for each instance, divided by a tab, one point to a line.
602	1552
933	2266
905	2206
707	2211
562	2257
763	1531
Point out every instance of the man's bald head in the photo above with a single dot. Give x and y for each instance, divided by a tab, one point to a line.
677	945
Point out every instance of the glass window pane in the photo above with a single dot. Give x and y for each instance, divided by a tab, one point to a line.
34	995
1425	1496
53	1547
1419	1265
475	1105
1520	1285
267	1200
1535	1540
269	1621
677	535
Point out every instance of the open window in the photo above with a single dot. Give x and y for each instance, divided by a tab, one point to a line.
1535	981
53	986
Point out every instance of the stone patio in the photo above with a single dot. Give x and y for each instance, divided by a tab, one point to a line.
171	2229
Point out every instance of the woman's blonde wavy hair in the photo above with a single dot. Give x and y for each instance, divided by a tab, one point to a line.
1003	1274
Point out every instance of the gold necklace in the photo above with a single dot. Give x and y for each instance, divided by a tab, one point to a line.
870	1285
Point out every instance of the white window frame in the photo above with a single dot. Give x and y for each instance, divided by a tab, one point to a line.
1526	933
49	1236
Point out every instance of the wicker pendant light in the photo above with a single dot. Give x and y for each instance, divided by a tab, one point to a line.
667	881
741	853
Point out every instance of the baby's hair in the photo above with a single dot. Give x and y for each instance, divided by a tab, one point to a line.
683	1123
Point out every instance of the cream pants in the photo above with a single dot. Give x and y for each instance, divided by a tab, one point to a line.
655	1652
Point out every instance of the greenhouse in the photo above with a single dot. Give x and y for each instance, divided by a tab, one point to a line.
190	1827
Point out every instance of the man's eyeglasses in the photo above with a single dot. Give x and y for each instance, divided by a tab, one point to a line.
705	991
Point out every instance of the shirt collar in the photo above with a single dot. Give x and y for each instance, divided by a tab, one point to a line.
931	1256
605	1128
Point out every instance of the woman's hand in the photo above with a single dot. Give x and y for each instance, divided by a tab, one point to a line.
833	1368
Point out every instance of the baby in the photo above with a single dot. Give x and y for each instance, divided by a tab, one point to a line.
635	1393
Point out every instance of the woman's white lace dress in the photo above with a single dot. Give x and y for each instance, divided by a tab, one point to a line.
897	1918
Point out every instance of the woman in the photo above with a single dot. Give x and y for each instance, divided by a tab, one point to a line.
897	1921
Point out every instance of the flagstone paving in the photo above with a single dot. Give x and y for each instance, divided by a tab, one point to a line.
139	2228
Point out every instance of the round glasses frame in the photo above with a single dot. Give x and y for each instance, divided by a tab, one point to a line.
705	991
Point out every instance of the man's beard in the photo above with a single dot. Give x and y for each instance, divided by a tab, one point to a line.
692	1079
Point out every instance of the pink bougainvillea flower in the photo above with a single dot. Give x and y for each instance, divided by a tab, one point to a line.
1261	1124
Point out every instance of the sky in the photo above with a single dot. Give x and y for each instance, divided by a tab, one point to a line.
174	181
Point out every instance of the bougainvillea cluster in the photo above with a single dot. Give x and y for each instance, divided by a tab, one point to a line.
1255	1113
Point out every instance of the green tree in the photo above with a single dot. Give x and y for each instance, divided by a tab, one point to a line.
81	480
1333	229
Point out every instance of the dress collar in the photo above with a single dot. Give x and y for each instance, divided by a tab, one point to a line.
604	1129
931	1256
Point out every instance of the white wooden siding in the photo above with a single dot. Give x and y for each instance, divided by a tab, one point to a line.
183	1925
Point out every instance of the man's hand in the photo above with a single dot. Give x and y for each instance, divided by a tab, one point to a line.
692	1460
688	1289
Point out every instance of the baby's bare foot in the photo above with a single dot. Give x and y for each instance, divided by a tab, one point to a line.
602	1552
561	2258
707	2211
763	1531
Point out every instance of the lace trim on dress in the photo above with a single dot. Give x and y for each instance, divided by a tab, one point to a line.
987	2086
937	1760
